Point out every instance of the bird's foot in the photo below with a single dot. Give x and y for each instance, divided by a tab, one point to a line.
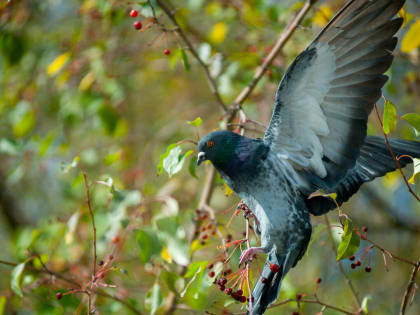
249	253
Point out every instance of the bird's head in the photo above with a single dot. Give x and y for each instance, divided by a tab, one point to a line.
219	147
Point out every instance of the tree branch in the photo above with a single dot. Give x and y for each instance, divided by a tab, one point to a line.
212	83
408	292
281	41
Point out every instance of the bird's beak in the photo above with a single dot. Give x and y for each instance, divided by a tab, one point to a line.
201	158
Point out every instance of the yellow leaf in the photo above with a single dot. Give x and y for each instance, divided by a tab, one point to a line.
228	190
165	255
322	16
218	33
87	81
57	64
411	39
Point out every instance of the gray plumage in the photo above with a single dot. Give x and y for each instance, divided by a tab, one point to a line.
316	138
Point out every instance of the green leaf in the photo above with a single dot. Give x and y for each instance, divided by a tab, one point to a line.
184	58
416	163
16	279
413	119
350	242
316	233
389	117
174	160
364	305
193	167
196	122
66	167
2	304
153	299
163	157
148	243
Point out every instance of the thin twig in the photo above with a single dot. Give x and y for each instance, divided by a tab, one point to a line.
212	83
393	156
411	285
348	281
92	217
383	250
281	41
332	307
74	283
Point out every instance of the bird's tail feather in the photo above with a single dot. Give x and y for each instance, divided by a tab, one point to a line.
375	160
266	290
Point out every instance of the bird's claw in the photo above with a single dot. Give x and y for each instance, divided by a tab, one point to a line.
249	253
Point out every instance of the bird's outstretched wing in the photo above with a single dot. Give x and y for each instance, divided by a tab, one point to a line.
323	101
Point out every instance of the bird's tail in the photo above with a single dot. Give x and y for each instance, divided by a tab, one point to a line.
268	285
375	160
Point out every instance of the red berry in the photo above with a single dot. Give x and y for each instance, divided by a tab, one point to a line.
167	52
134	13
250	299
213	232
111	257
358	263
115	239
202	243
318	280
137	25
298	296
239	292
242	299
295	313
223	281
365	229
352	258
211	274
264	280
59	295
204	237
209	266
221	287
101	263
209	226
274	268
228	291
353	266
368	269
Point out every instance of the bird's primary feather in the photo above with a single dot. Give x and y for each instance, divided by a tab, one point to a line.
316	137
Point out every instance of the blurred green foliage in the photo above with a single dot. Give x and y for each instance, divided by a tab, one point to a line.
81	89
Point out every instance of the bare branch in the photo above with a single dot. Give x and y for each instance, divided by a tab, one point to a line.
93	221
281	41
410	288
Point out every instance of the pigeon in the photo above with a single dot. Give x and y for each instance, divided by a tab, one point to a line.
316	139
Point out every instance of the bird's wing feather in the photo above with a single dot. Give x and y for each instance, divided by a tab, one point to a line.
324	99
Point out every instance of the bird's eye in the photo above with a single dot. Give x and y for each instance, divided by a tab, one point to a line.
210	144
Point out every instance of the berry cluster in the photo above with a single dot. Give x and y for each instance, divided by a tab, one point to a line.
138	25
206	229
358	263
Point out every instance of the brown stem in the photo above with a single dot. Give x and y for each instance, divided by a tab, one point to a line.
74	283
409	289
93	221
393	156
281	41
212	83
383	250
348	281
